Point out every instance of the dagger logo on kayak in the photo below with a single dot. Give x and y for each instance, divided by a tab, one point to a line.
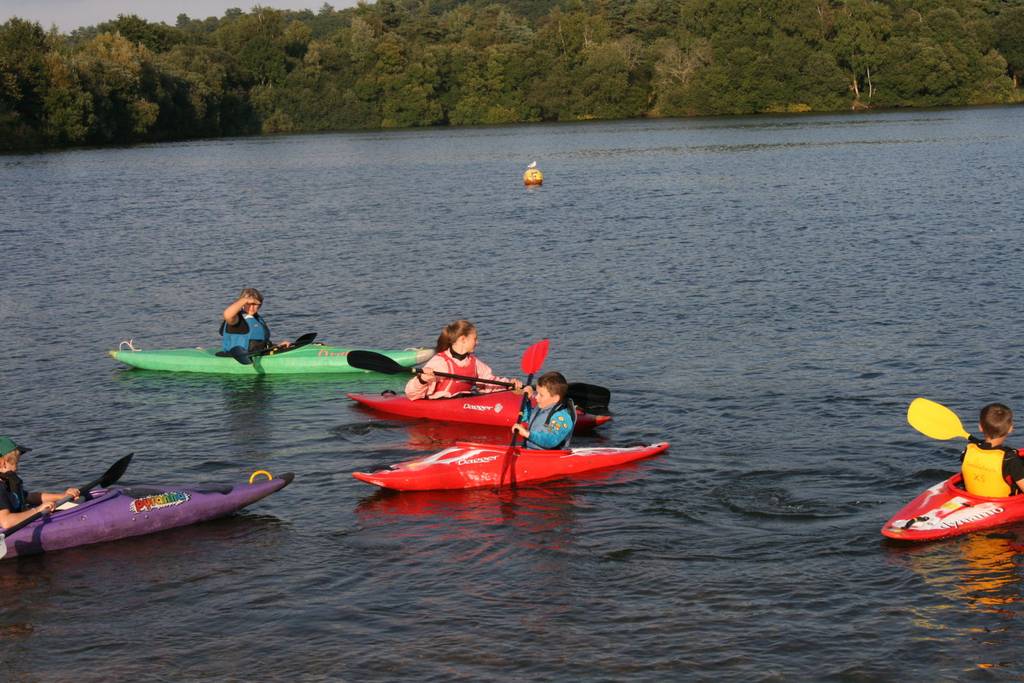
453	456
163	500
476	461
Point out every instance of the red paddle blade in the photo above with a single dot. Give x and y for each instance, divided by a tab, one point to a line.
534	357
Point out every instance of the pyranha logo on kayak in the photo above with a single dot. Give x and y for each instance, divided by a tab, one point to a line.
977	514
161	500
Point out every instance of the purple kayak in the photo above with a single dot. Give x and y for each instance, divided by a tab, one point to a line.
121	512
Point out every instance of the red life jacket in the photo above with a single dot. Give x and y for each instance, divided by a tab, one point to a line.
455	386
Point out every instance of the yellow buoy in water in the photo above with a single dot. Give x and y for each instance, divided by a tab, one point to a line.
532	175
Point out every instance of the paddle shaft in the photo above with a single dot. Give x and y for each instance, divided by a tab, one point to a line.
506	464
303	340
532	361
378	362
245	358
466	378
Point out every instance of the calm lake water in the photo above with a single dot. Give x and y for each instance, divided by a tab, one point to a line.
768	294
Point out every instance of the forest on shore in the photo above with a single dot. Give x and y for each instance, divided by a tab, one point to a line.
402	63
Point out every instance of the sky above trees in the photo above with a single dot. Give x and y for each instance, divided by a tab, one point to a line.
71	14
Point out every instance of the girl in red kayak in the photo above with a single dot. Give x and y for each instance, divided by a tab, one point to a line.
454	355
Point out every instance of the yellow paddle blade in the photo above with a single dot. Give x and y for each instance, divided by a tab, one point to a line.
935	420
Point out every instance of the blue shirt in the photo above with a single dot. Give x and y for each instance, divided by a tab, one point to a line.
550	428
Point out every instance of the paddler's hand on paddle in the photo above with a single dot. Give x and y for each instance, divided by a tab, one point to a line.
47	507
73	493
427	376
521	430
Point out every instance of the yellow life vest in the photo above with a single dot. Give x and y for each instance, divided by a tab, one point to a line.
983	472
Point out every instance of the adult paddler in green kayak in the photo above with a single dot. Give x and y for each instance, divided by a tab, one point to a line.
17	504
243	327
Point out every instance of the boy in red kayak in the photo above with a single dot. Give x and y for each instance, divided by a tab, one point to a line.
454	355
548	424
15	501
989	468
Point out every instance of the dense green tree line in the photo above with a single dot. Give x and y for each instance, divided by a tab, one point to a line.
402	63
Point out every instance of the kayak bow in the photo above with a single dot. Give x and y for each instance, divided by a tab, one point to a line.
947	509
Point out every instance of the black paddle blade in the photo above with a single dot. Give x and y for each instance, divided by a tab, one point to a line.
239	354
590	397
304	340
375	362
115	472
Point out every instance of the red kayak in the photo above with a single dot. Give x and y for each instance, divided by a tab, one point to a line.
497	409
947	509
475	465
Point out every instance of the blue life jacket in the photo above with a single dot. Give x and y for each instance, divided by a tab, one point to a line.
13	495
256	338
558	419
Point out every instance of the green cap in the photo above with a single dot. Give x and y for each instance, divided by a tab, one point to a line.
7	445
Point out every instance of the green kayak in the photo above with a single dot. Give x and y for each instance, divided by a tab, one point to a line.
314	358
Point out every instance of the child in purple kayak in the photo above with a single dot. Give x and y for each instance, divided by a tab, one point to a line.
17	504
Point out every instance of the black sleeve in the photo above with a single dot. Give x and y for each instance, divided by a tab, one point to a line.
241	328
1013	465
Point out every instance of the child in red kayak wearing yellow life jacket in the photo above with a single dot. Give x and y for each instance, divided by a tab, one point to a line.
454	355
989	468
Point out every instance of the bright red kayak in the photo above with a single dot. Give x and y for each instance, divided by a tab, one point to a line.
947	509
498	409
474	465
